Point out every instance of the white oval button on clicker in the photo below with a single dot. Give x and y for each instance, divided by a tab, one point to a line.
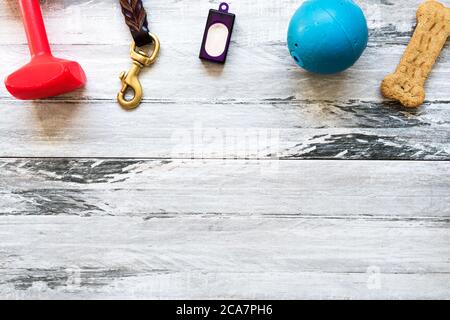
216	41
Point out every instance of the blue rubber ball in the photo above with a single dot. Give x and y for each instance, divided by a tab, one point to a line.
327	36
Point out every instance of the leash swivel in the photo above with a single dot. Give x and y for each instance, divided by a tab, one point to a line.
137	21
130	79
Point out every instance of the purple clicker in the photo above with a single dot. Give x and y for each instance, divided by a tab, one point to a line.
217	36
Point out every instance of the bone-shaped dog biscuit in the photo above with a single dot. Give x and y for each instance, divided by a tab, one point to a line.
407	83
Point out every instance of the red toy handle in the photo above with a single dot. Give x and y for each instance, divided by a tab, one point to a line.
34	27
44	76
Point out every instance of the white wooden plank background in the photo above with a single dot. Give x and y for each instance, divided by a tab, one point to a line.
228	182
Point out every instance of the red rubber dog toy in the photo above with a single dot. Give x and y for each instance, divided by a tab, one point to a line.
45	76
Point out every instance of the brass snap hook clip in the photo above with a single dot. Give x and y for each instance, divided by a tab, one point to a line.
130	79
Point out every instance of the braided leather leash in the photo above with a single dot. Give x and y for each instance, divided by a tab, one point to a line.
136	19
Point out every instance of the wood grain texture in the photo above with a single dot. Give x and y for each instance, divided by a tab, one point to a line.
224	229
228	182
260	89
167	188
235	257
269	129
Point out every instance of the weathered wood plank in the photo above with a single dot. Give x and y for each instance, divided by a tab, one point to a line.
261	72
259	21
100	284
271	129
259	65
168	188
217	257
260	94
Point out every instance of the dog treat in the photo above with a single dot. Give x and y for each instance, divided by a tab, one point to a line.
407	83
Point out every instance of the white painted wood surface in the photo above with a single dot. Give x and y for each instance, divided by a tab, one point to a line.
228	182
259	93
167	188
